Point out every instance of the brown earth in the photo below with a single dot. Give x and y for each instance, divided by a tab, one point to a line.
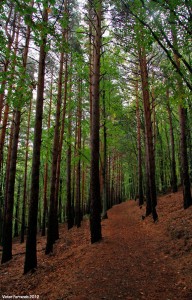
136	259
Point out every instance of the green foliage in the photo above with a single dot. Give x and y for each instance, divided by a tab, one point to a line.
133	26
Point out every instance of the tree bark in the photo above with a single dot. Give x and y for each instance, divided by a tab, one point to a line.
173	162
51	238
16	225
150	157
31	243
95	208
140	175
8	214
70	217
187	199
25	56
9	195
104	196
45	208
78	167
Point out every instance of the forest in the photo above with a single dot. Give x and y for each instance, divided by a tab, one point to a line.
95	109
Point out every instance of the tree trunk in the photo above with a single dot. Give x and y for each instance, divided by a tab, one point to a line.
56	234
45	208
60	208
52	220
16	226
104	196
25	56
184	159
187	199
78	167
31	243
9	195
95	209
70	217
90	12
173	162
140	175
23	225
3	133
150	157
8	214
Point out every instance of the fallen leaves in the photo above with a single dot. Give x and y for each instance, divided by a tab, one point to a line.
136	260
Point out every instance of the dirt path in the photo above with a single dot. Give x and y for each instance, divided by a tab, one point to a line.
135	260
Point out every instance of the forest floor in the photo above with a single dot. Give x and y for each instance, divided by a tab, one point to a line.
136	259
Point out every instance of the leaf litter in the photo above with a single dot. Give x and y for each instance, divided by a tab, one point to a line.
136	259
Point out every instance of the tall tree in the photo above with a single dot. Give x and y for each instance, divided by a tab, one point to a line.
140	176
78	150
95	209
25	57
182	119
172	139
46	167
8	213
16	225
23	216
52	221
9	195
150	156
31	243
69	208
104	169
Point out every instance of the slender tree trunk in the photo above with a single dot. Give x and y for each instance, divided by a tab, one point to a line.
83	191
7	175
189	118
25	56
45	208
16	225
51	238
8	223
31	243
148	133
74	173
104	196
183	136
70	218
109	183
90	60
3	133
78	167
184	159
61	137
140	175
112	191
161	163
95	215
9	196
9	161
23	225
173	162
60	201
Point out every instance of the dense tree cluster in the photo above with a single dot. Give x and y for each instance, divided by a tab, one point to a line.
95	108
